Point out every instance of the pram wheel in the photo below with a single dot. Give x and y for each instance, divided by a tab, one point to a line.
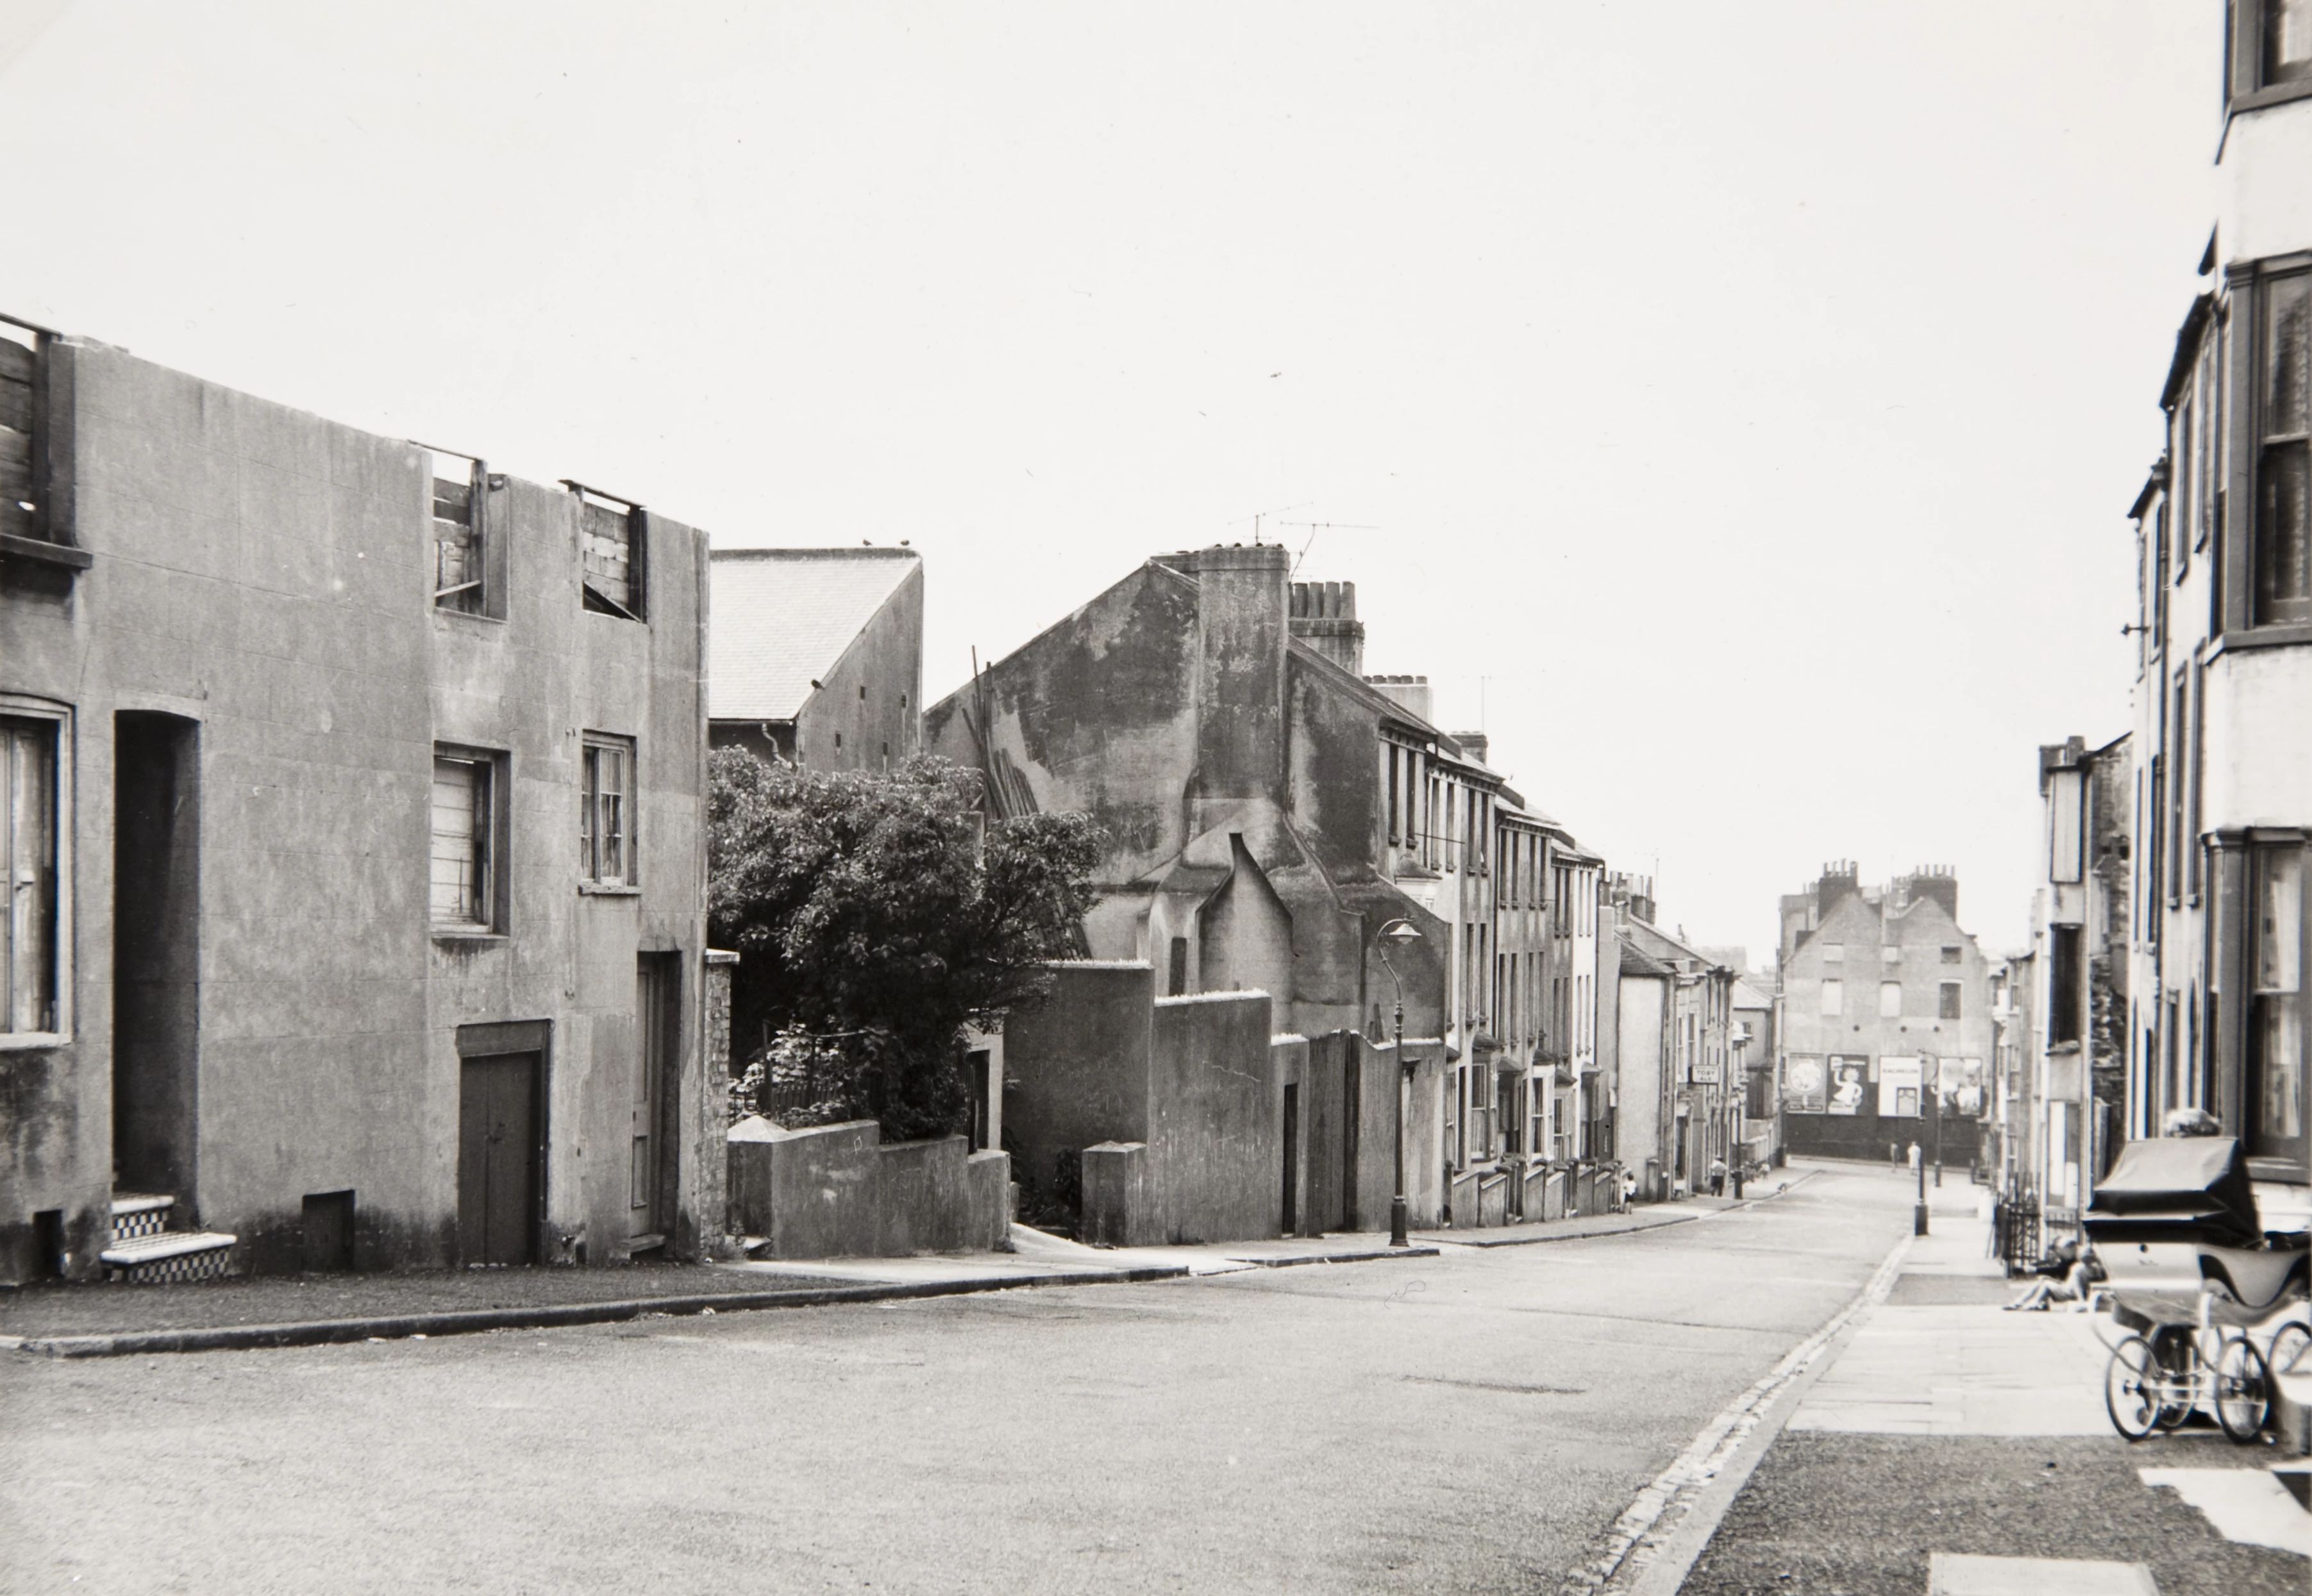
2134	1388
2287	1347
2243	1391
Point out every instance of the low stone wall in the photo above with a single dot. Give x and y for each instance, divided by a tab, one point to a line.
1463	1195
837	1191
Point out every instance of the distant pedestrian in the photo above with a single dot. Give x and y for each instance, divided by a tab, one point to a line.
1895	1157
1915	1158
1629	1189
1717	1177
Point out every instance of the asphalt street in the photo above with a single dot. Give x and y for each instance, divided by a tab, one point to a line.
1473	1422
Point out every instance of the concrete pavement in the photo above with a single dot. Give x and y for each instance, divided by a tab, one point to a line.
1950	1445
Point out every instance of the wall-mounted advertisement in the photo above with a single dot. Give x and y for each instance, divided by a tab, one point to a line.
1805	1087
1847	1082
1962	1086
1899	1080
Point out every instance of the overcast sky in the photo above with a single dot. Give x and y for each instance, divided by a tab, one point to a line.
1733	409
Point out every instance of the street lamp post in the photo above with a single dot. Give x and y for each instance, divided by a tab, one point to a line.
1400	932
1919	1213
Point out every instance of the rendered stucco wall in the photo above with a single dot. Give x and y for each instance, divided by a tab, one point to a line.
266	575
1076	1068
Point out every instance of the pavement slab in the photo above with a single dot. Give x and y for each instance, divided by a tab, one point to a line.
1967	1369
2245	1505
1952	1575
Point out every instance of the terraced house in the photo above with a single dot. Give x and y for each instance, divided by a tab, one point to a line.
2220	749
353	817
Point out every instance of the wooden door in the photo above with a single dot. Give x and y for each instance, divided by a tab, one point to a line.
1291	1159
498	1187
655	1022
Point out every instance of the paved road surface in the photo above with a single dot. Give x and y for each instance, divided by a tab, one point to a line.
1468	1423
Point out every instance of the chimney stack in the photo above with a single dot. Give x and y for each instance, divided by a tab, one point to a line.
1325	616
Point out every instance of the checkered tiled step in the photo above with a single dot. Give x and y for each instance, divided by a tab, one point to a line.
139	1214
169	1256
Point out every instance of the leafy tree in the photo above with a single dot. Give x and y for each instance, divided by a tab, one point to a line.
870	911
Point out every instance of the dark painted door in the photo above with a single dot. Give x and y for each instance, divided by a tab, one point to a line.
655	1018
498	1187
1291	1159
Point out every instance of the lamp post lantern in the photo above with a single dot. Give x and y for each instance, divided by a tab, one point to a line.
1400	932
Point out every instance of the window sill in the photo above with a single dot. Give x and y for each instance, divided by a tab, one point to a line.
26	1042
13	546
2275	635
606	890
446	613
2276	94
468	934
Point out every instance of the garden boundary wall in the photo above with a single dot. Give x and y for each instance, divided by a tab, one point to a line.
841	1191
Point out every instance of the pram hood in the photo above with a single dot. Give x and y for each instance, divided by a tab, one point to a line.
2176	1189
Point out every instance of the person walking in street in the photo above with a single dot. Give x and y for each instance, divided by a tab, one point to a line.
1717	1177
1895	1157
1629	1189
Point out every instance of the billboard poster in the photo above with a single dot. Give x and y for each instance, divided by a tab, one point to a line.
1846	1085
1961	1079
1899	1080
1805	1089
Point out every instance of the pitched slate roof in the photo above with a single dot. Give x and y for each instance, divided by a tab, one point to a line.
781	616
1636	961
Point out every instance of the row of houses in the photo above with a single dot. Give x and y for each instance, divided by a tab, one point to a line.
353	819
1270	811
2166	976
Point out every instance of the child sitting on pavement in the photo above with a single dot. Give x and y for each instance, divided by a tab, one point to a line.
2070	1270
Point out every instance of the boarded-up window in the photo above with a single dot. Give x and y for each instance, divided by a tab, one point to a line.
462	895
2063	826
612	547
2283	501
1834	952
27	847
1947	1005
605	816
1834	998
1890	1000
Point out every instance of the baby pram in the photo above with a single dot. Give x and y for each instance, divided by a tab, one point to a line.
2208	1303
